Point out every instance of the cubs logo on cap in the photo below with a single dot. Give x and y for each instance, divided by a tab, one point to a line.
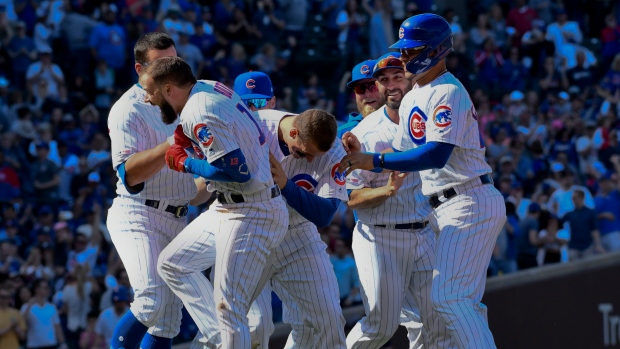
401	33
417	126
442	116
338	177
252	85
361	71
365	69
305	181
203	134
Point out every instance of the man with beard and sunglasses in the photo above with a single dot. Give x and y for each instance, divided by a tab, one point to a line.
393	244
439	137
150	208
249	219
366	95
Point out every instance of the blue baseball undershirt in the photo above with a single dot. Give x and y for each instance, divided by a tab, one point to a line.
219	170
432	155
314	208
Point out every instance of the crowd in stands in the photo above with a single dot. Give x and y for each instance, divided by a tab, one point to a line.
544	76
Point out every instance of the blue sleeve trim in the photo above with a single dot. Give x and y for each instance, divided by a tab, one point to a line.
202	168
349	191
136	189
234	165
432	155
314	208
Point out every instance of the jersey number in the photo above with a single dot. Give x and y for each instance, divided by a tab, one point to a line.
261	135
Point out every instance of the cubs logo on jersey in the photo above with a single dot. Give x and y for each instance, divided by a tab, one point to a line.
401	33
250	84
338	177
417	126
365	69
442	116
305	181
203	134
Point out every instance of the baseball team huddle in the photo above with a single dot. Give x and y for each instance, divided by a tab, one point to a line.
411	164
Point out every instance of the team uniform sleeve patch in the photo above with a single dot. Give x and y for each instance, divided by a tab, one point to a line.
452	118
213	137
306	182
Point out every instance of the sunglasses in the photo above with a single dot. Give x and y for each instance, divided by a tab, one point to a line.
256	102
388	62
411	51
361	88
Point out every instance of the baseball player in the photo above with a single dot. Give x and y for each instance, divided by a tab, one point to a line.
150	207
393	243
438	136
248	219
304	149
367	96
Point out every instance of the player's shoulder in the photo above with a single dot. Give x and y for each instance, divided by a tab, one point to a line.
130	105
448	91
370	123
212	99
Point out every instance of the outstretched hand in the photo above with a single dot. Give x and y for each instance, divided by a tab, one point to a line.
351	143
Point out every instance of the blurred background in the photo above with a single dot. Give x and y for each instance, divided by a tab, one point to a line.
544	76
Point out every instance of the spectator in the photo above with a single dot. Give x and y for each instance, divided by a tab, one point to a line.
44	77
481	31
349	22
536	47
513	71
608	209
111	316
68	169
561	201
46	175
12	325
553	241
528	241
520	19
108	41
76	303
42	35
585	238
99	151
85	247
552	79
587	147
504	257
76	28
610	38
10	186
104	85
240	28
23	52
294	13
89	338
113	284
44	130
265	59
268	21
34	268
190	54
311	94
498	25
10	261
346	273
567	37
380	32
579	75
545	9
489	62
42	319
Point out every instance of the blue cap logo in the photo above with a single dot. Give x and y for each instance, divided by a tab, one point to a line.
365	69
401	33
250	84
253	84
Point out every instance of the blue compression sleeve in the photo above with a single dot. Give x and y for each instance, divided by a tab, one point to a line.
231	167
205	170
314	208
432	155
122	173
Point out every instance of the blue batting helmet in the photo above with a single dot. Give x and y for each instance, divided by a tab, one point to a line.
429	33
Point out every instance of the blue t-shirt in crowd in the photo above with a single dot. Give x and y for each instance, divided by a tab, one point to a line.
582	222
109	42
609	203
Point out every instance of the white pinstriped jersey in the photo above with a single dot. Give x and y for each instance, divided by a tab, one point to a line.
442	111
319	176
217	120
376	133
136	126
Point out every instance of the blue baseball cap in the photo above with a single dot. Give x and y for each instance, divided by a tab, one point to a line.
383	63
362	71
253	84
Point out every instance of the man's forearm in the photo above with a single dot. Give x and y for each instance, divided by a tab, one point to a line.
145	164
369	197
